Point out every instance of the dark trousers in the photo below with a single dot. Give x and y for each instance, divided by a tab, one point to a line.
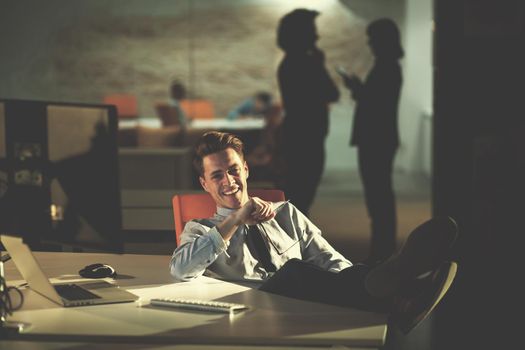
304	164
375	168
302	280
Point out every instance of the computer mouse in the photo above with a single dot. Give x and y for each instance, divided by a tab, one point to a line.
97	271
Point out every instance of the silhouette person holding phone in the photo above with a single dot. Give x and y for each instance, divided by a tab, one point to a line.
375	133
306	91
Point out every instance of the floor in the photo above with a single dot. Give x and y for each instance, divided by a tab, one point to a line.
339	209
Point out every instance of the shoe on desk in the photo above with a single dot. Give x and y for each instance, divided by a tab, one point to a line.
425	249
419	298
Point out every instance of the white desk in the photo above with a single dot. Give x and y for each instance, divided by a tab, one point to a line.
215	123
154	123
273	320
226	124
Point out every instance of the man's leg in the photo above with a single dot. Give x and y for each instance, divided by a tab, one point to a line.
419	275
303	175
302	280
418	297
425	249
375	168
408	285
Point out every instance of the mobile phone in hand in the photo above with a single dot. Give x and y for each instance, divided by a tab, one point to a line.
341	71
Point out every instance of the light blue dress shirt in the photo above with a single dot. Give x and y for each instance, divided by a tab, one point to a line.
289	235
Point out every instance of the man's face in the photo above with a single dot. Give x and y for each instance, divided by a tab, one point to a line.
224	178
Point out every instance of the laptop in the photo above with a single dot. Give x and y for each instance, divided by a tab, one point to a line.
81	293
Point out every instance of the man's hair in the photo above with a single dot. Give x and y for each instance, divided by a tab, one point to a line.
214	142
177	90
295	29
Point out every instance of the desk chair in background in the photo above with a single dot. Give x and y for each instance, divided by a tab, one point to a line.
200	205
198	108
127	106
169	115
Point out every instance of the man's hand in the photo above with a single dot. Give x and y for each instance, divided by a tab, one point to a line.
255	211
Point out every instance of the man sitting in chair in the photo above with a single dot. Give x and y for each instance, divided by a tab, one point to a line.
249	239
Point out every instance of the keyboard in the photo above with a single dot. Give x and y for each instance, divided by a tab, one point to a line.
201	305
73	292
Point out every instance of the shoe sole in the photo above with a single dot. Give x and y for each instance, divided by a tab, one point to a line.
427	246
406	325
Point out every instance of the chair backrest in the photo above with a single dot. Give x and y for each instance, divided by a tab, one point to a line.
198	108
168	114
126	105
200	205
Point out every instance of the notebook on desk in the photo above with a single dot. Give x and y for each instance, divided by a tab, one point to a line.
81	293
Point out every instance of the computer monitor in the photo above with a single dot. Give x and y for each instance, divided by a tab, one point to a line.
59	178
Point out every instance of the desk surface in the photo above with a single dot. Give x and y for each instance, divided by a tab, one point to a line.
226	124
215	123
155	123
273	320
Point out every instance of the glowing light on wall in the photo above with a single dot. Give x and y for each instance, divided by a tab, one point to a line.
318	5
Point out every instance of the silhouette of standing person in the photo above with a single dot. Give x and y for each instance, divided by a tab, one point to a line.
375	133
306	91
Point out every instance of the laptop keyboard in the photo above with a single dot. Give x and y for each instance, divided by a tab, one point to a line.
74	292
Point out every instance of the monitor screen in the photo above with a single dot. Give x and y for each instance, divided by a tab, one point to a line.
59	174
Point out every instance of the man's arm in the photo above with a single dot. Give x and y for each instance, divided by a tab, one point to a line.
314	247
243	109
355	85
322	254
325	85
200	247
253	212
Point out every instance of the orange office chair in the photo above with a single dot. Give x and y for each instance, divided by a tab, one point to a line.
200	205
127	106
198	108
169	115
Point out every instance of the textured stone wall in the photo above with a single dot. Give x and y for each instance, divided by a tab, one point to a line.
221	53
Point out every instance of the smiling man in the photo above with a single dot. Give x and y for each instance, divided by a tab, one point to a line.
223	244
249	239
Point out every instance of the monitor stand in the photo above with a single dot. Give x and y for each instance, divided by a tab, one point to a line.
7	327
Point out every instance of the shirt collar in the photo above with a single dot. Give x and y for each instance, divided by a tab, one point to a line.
225	211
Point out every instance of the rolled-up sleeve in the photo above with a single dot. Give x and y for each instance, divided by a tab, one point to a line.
200	246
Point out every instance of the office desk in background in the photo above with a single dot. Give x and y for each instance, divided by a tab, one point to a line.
272	320
215	124
249	130
152	131
227	124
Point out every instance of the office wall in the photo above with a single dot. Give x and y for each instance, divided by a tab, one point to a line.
340	156
222	50
414	18
415	110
